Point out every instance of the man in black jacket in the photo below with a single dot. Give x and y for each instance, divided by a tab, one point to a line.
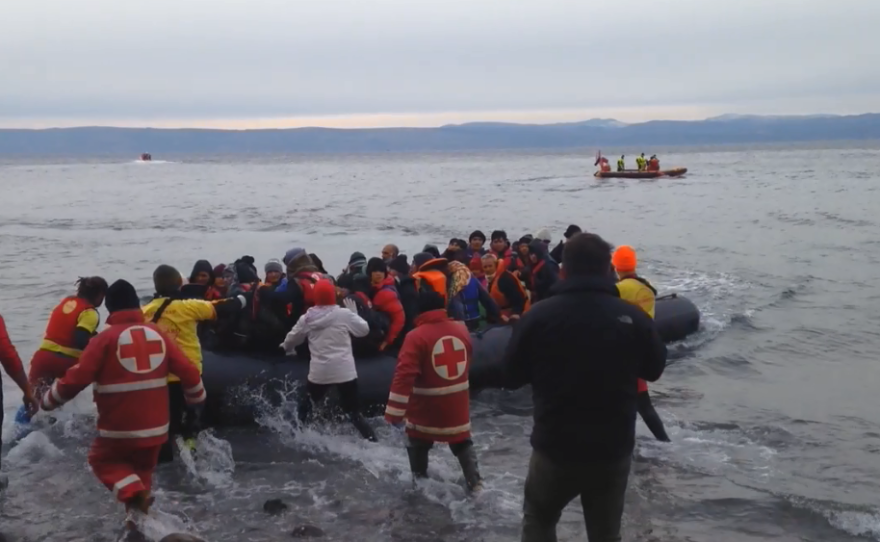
544	270
582	349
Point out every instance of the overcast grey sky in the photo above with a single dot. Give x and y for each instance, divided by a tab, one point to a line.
238	62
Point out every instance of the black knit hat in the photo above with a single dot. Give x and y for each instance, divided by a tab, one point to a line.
432	250
376	265
399	264
499	234
121	296
571	230
421	258
429	300
477	235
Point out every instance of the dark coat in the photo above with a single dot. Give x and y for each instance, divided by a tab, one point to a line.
583	349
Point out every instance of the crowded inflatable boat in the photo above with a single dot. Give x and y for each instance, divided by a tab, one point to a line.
412	339
242	316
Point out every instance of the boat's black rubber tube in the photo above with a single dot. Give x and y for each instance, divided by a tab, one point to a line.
238	385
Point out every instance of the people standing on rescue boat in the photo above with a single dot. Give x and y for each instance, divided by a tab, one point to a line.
71	325
544	272
129	363
179	319
328	328
505	289
621	163
429	392
582	349
653	164
11	363
641	162
641	293
384	298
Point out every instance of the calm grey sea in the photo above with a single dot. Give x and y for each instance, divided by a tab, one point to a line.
772	406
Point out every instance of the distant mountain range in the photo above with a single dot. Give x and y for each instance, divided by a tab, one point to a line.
594	133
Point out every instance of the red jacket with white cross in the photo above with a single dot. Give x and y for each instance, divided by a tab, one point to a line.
129	363
430	386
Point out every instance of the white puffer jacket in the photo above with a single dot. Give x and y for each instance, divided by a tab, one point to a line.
328	329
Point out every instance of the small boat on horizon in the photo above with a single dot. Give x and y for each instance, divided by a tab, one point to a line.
146	157
636	174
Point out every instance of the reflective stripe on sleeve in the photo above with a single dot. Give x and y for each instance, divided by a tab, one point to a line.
397	412
397	398
455	388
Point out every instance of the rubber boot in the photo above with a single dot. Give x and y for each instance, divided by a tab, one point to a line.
418	461
363	427
138	505
467	458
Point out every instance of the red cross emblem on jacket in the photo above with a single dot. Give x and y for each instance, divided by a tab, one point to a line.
140	349
449	357
429	390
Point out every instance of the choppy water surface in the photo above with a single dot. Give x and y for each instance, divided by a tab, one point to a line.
771	407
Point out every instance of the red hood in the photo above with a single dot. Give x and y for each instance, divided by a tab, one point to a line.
432	317
130	316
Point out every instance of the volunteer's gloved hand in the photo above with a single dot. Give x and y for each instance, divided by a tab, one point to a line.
350	304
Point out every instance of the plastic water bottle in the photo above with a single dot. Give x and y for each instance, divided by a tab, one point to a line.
22	417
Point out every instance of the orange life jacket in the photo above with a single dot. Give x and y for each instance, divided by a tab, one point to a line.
433	278
62	324
499	297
